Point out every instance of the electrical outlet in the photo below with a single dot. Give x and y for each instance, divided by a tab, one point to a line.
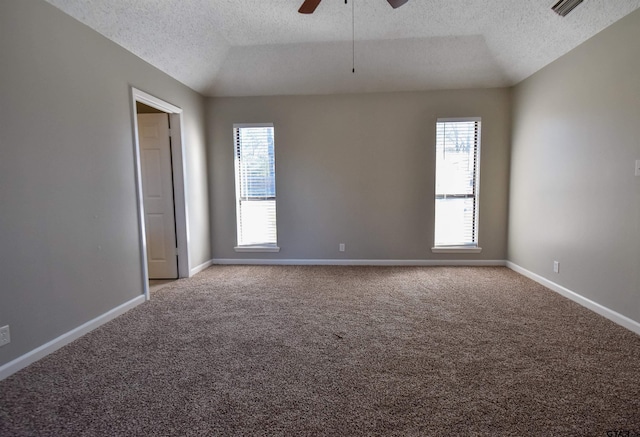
556	267
5	338
341	247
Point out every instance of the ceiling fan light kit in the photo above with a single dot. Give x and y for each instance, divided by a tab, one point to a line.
563	7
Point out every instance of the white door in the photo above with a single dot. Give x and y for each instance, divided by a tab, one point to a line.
157	188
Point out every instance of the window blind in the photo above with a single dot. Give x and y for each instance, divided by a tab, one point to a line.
457	176
255	184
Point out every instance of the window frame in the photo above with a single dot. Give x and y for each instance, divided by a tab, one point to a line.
251	247
470	247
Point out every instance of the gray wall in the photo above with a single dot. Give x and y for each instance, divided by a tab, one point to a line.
68	222
359	169
574	197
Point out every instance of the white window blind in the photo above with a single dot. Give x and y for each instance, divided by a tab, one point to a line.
255	184
457	177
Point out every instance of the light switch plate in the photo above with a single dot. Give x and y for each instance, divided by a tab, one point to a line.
637	167
5	337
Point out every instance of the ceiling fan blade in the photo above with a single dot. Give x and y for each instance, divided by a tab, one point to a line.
397	3
309	6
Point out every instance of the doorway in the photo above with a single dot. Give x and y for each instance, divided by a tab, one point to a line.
160	187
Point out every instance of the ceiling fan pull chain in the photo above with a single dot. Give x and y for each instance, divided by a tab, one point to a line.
353	36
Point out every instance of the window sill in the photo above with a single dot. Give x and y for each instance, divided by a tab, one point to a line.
257	248
456	249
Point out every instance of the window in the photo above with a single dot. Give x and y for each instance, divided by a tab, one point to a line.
457	176
255	187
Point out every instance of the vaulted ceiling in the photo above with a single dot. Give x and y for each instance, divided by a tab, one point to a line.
265	47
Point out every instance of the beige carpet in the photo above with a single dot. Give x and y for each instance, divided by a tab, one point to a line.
338	351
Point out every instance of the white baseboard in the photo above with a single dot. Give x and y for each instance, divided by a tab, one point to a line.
618	318
358	262
201	267
40	352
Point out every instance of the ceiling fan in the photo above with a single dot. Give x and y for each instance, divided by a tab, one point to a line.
310	5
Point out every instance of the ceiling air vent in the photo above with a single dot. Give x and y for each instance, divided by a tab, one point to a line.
563	7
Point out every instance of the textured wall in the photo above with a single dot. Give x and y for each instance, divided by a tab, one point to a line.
68	222
359	169
574	197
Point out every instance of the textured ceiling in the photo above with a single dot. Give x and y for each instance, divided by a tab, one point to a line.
265	47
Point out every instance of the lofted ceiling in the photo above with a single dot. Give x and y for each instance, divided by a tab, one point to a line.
265	47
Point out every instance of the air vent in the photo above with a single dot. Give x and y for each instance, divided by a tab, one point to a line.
563	7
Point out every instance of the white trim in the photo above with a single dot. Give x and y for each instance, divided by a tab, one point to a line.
358	262
140	198
241	125
238	177
201	267
154	102
179	183
40	352
456	249
460	119
256	248
614	316
476	182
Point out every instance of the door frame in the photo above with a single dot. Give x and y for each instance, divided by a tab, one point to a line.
179	183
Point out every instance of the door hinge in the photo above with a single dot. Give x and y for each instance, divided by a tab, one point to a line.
177	253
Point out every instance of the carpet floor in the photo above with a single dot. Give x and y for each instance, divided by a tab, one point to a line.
326	350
